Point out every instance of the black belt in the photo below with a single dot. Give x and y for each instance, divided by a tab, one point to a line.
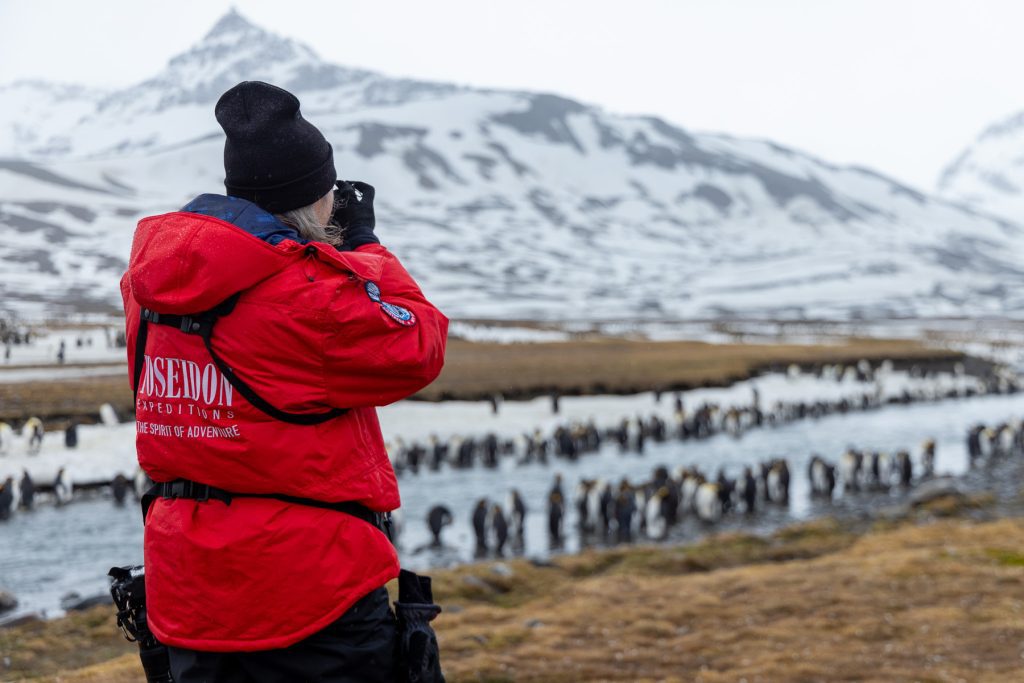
184	488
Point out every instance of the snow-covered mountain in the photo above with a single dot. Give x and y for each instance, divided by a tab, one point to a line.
989	174
504	204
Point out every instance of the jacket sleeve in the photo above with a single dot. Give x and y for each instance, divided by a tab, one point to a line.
372	356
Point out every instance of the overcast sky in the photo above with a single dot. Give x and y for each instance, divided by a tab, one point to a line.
898	85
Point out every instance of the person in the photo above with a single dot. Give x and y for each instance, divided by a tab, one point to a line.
263	328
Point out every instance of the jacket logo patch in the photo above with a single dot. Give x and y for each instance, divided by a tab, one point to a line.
402	316
373	291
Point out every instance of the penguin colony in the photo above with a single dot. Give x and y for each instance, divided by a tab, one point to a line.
571	440
23	493
622	511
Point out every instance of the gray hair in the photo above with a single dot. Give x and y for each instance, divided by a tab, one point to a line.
304	220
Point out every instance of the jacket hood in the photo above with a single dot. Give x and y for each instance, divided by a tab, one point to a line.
191	260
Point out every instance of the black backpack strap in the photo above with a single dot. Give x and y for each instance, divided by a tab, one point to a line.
202	325
184	488
258	401
140	354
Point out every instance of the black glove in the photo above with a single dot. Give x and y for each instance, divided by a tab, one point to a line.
353	213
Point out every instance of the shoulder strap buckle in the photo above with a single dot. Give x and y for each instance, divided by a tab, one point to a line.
201	325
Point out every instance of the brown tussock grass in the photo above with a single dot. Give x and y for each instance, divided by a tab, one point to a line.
58	400
943	601
608	365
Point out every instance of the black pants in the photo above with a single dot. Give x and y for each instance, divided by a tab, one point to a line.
359	648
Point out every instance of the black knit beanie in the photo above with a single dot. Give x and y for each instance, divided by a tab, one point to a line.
272	156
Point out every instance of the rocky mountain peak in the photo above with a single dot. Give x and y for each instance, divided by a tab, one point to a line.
235	43
234	50
231	24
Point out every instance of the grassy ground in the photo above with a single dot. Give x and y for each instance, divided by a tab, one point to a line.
597	366
936	601
56	401
479	370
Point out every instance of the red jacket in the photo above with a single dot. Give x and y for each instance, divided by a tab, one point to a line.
308	333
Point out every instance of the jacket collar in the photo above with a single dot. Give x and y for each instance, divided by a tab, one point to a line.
244	214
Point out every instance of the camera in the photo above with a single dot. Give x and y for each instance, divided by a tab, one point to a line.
128	588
